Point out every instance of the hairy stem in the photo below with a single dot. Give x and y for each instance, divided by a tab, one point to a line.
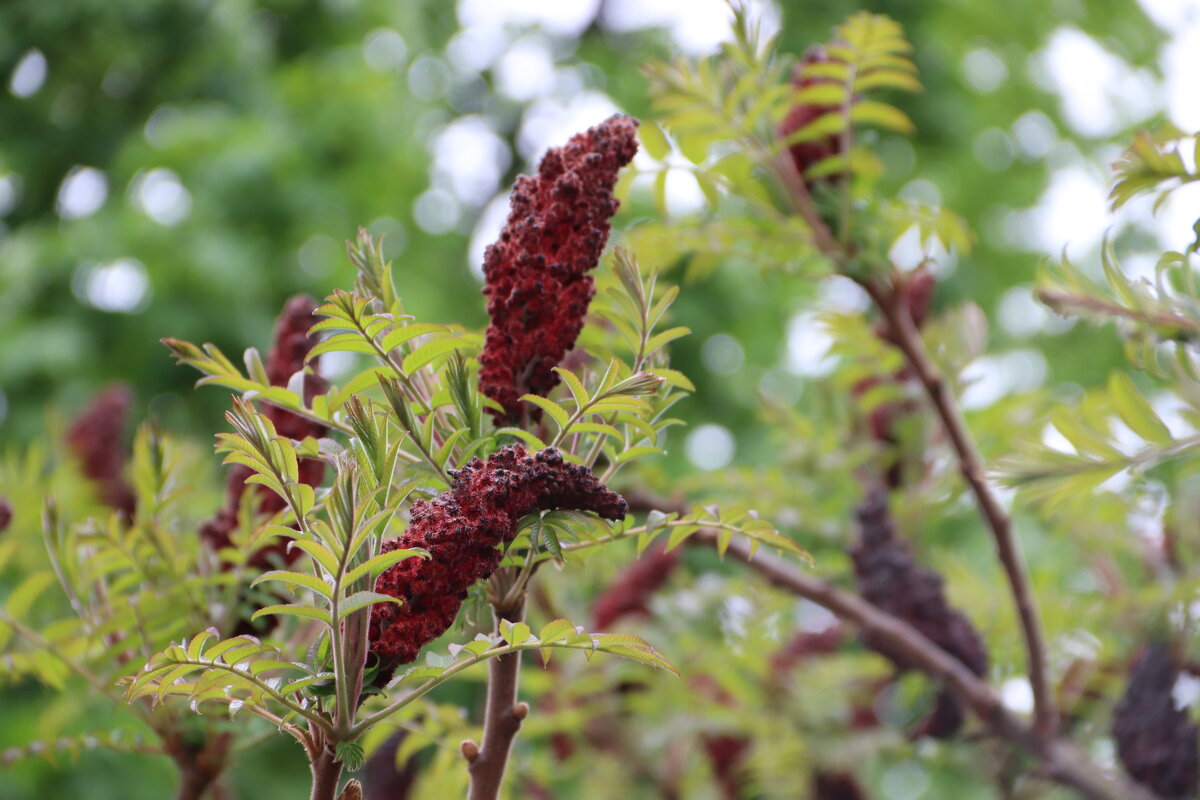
908	339
1061	761
502	717
326	771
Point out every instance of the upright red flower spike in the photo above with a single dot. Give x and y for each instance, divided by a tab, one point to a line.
536	277
462	529
97	437
889	578
629	595
289	349
1157	743
808	153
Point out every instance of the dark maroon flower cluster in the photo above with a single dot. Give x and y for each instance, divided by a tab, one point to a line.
97	437
462	529
835	785
629	595
808	153
915	292
6	513
889	577
537	284
291	346
1157	742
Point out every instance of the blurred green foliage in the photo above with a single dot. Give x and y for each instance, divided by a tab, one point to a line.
286	138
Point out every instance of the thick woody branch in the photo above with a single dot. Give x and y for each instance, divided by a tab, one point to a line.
501	721
1061	761
906	336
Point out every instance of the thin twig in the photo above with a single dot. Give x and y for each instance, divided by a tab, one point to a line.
908	339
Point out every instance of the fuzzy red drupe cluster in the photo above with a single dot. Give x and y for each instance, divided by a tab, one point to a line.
889	578
289	349
629	595
1156	741
537	284
462	529
808	153
97	437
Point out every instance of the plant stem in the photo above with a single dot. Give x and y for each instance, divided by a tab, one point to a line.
1061	761
502	717
326	771
908	339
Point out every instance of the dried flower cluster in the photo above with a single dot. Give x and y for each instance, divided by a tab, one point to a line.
289	349
97	437
1157	743
806	154
462	529
831	785
537	284
888	577
629	595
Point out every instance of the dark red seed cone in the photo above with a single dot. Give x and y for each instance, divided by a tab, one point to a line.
888	577
97	438
536	277
629	595
1157	743
289	349
462	529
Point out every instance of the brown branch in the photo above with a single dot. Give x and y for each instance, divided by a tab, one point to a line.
501	720
326	771
1061	761
1067	304
905	335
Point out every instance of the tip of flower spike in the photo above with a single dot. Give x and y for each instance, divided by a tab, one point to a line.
535	274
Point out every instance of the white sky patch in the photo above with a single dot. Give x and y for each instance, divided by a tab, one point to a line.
839	293
567	19
993	149
1186	691
908	780
526	70
990	378
722	354
808	343
1052	437
10	193
1072	211
81	193
710	447
384	50
697	27
29	74
120	286
469	159
1098	91
1017	695
1170	410
1020	314
682	193
161	196
550	121
1034	135
487	230
476	48
437	211
984	70
1180	58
